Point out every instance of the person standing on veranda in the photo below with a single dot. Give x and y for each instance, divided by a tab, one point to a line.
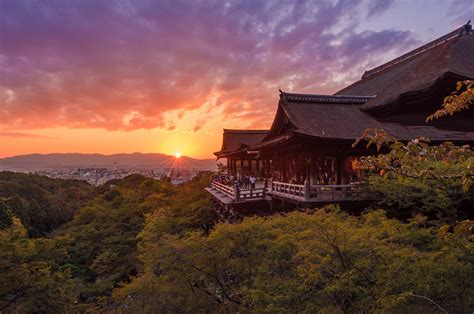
252	180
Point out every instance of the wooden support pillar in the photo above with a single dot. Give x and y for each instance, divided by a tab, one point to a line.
339	169
236	193
306	190
283	165
344	169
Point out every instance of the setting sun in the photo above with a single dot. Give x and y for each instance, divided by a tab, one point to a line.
177	154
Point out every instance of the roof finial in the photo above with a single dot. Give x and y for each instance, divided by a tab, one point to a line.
282	93
467	29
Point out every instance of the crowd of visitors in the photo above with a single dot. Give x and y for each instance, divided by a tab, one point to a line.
241	181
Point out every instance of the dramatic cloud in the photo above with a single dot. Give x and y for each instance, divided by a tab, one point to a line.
127	64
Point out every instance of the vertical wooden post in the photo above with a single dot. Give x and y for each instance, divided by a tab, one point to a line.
338	169
236	192
306	189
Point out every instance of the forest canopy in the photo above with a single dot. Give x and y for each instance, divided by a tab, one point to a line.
141	244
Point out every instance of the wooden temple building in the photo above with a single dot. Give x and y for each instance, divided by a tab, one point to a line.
236	145
308	153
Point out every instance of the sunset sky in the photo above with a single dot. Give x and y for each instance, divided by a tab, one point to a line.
166	76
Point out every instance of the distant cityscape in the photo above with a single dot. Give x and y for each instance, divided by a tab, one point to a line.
98	169
98	176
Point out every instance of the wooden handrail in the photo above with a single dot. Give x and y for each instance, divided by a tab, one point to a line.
242	194
302	192
319	192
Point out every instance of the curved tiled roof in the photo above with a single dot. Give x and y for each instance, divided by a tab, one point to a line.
339	119
449	55
234	141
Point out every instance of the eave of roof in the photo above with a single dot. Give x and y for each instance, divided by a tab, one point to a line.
266	144
328	117
237	141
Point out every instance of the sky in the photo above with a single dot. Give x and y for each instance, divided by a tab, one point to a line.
166	76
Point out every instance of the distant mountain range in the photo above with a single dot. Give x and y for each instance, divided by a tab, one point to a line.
135	160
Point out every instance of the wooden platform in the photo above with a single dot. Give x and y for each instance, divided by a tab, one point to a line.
221	197
293	193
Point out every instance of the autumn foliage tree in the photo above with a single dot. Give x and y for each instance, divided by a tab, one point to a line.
461	99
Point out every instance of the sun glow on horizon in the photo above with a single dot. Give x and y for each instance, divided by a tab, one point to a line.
177	155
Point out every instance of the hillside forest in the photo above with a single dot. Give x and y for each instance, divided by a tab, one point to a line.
139	245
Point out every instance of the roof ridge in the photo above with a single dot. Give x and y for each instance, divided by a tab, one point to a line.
463	30
315	98
244	131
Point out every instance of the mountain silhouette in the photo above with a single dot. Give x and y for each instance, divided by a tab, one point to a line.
134	160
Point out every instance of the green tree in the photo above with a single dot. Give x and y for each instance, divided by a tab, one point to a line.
30	280
42	204
102	237
325	261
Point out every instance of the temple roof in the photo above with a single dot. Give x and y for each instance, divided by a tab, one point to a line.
417	70
341	118
335	117
234	141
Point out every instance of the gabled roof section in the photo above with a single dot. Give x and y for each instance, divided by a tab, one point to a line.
327	116
234	141
339	117
297	112
417	70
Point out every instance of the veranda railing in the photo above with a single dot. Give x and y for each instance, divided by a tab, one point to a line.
237	194
314	193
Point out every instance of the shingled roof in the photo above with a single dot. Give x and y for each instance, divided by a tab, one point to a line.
325	116
235	141
449	55
339	117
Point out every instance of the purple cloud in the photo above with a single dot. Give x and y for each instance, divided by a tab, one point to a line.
123	64
378	6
